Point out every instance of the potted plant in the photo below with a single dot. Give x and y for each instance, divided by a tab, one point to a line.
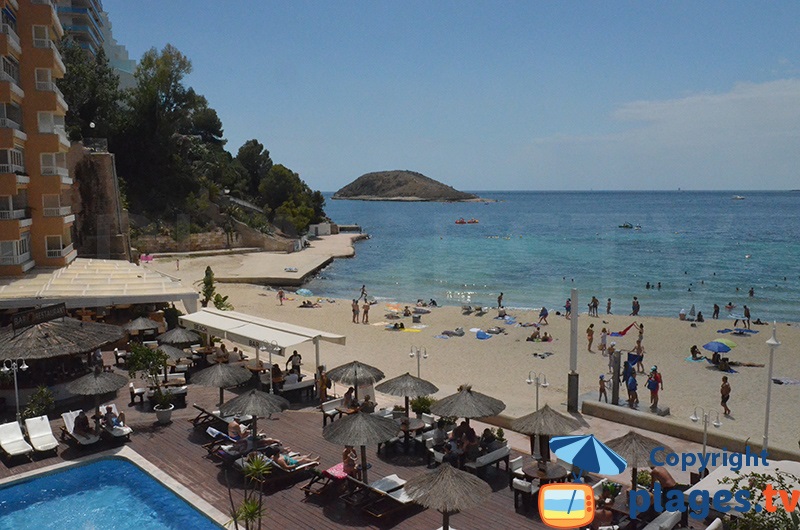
422	405
149	363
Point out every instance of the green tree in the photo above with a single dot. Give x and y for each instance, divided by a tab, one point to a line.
293	218
255	161
91	90
209	289
251	511
755	484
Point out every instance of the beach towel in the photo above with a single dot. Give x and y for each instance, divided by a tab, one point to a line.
474	330
409	330
623	332
691	360
482	335
743	331
441	337
785	381
726	330
634	359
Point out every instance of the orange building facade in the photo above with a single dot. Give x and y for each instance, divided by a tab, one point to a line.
35	200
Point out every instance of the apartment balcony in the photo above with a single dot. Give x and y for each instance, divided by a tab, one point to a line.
12	37
50	86
16	259
55	170
82	14
11	168
59	211
51	17
56	140
47	44
9	129
60	253
13	84
9	215
14	4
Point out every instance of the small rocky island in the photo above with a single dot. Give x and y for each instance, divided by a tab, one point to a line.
401	185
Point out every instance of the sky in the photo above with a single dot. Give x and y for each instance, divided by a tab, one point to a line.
515	95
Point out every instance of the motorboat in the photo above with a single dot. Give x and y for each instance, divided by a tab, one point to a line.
461	221
737	198
626	225
472	221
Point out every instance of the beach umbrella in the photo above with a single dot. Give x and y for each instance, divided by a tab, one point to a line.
447	490
63	336
97	384
720	346
355	372
140	324
407	386
222	376
179	337
466	403
361	429
173	354
304	292
254	403
636	450
587	453
544	423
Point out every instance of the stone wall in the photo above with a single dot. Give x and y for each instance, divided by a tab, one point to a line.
216	240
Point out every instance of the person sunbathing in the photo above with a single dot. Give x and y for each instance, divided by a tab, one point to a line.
695	351
82	427
111	420
237	431
286	462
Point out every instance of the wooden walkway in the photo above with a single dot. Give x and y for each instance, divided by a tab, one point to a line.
176	449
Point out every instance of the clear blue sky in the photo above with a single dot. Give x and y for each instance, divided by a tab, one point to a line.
555	95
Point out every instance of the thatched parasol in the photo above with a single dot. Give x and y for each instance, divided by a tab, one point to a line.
354	372
544	423
222	376
179	337
466	403
63	336
96	384
407	386
361	429
254	403
448	490
636	449
140	324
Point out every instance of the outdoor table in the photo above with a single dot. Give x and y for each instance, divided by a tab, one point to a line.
620	507
345	410
256	367
414	425
553	473
170	383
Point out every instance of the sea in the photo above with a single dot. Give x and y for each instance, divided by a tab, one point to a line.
686	248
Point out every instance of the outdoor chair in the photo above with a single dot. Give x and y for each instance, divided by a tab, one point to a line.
495	457
525	491
363	493
116	431
69	426
430	421
120	356
219	439
515	469
12	442
329	410
41	435
277	473
332	479
389	504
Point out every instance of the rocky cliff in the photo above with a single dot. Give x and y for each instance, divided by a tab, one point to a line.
400	185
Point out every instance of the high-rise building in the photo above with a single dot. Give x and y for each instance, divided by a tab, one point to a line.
82	22
35	186
117	55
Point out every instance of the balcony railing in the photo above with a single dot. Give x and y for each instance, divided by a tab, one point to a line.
59	253
16	259
11	168
49	86
12	214
48	44
59	211
44	2
55	170
12	35
7	123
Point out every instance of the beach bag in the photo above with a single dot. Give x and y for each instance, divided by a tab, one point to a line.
652	384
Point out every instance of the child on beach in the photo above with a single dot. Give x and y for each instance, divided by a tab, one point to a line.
611	351
603	339
603	393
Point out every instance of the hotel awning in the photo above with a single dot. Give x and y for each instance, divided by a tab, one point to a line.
254	331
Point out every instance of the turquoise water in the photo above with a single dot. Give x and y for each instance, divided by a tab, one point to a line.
108	494
535	246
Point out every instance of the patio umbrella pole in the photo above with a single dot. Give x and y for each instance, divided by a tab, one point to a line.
407	409
221	395
445	520
364	464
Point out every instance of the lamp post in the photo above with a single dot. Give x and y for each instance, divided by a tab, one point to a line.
540	380
695	418
273	346
773	345
14	366
419	353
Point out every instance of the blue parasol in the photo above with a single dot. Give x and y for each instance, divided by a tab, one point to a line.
717	347
588	453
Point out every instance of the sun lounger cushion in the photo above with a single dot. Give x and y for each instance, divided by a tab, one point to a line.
117	431
40	434
12	441
69	426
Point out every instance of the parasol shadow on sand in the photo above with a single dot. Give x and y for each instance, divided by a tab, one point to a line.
361	429
222	376
636	449
254	403
467	404
355	372
56	338
97	384
447	490
407	386
179	337
544	423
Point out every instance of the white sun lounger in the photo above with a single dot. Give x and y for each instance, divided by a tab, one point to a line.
118	431
12	441
41	435
69	426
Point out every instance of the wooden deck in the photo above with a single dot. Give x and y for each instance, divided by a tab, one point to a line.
176	449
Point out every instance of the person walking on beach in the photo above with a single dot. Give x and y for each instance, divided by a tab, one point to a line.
543	315
355	311
603	393
365	313
611	351
568	309
746	316
633	396
715	314
634	307
590	336
363	293
603	339
608	307
281	296
725	393
500	301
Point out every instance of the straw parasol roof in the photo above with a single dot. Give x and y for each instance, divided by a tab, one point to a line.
179	337
222	376
361	429
97	383
254	403
64	336
355	372
466	403
636	449
407	386
173	353
545	421
448	490
140	324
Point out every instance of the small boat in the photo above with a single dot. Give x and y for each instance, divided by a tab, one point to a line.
737	198
472	221
626	225
637	227
461	221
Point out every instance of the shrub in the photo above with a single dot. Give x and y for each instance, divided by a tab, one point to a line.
40	402
422	404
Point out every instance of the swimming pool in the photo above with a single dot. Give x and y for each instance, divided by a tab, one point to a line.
110	493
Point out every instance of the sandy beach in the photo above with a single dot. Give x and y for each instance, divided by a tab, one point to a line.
500	366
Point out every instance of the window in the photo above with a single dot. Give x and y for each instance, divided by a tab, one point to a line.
24	244
41	37
43	75
11	68
46	122
54	243
9	18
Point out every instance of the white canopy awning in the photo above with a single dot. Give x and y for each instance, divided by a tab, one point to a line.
254	331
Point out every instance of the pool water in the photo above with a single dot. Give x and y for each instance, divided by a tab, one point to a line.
107	494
